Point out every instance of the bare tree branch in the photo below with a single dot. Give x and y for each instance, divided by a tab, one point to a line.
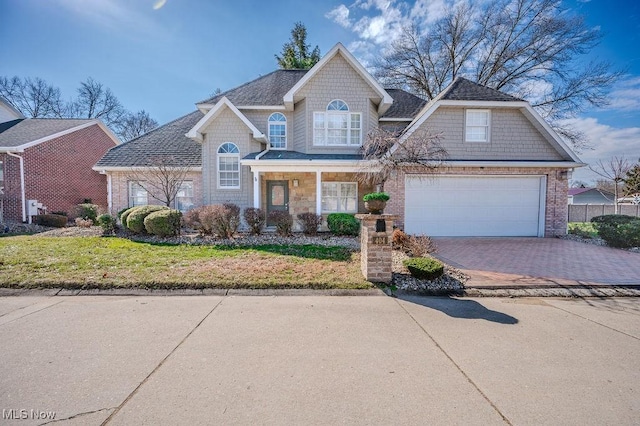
385	152
162	180
33	97
614	170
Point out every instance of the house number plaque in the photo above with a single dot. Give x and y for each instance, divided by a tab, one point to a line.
380	240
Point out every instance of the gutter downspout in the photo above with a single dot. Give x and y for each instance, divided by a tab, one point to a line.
22	189
109	192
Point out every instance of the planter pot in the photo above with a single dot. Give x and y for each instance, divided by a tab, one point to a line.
375	206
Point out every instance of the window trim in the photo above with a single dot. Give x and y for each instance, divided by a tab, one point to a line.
339	196
467	125
130	195
274	122
323	131
220	155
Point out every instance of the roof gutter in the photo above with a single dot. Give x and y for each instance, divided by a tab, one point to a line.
22	188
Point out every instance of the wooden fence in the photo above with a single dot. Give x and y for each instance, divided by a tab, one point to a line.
584	212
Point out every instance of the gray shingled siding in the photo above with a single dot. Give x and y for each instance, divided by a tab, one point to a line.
300	133
337	80
513	137
260	119
227	128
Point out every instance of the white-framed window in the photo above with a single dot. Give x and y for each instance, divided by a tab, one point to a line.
337	126
339	197
278	131
137	194
1	172
477	125
184	196
228	166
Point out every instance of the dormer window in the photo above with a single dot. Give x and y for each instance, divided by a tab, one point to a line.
278	131
337	126
477	125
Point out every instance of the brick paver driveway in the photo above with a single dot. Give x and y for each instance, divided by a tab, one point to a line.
538	261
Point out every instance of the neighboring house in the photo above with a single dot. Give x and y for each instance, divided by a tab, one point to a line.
590	196
49	161
290	140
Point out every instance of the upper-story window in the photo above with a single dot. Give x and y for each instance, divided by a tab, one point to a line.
228	166
478	125
337	125
278	131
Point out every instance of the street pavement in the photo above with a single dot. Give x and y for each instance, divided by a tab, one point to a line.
202	360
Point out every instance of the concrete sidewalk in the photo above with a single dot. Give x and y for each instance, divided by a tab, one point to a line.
319	360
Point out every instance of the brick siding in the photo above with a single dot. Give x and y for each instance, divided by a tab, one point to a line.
58	172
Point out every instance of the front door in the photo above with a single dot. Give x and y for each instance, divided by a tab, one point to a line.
277	197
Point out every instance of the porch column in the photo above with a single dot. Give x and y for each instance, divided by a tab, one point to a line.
256	190
318	192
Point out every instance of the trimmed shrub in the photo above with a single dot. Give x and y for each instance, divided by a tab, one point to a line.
283	222
310	223
376	196
619	231
424	268
343	224
125	215
231	220
85	211
163	223
135	219
52	220
83	223
107	223
255	219
121	212
60	213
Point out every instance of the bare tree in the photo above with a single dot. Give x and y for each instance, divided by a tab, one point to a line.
33	97
523	47
162	180
615	171
136	124
386	152
96	101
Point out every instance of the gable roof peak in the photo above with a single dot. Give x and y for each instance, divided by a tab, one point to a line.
462	89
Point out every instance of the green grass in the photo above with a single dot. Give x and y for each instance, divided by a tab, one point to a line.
98	262
583	229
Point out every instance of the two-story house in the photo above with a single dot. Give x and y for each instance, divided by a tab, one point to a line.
290	140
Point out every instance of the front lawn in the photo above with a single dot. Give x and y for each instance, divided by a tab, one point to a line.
98	262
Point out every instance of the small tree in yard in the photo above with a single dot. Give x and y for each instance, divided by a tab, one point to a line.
385	152
163	178
614	170
632	181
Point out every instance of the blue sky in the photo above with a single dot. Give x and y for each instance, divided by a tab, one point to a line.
165	55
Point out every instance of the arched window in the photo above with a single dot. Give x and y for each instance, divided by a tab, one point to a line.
278	131
228	166
337	126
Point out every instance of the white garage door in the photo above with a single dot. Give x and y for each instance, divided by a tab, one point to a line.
475	206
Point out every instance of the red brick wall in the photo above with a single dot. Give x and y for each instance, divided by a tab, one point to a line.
58	172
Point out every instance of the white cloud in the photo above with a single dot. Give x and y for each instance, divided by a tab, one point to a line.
626	95
607	142
340	15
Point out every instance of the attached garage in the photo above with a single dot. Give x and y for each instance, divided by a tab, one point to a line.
475	205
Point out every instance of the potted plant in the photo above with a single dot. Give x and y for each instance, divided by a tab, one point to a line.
375	202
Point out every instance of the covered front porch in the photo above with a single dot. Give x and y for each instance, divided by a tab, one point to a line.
319	190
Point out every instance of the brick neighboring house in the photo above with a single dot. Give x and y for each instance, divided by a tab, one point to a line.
50	160
290	140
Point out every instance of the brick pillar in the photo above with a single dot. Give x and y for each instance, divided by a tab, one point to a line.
375	246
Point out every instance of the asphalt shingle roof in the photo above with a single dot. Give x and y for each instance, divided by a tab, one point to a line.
465	90
31	129
167	142
405	105
266	90
295	155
